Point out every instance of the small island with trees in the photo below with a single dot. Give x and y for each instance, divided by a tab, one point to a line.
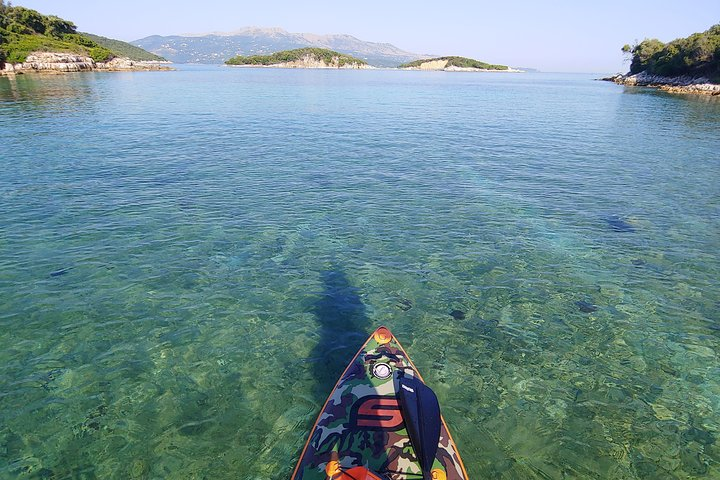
32	42
455	64
301	58
685	65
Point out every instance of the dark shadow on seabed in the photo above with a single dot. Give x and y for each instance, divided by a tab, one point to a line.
343	325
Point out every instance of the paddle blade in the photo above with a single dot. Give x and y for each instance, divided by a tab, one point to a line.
421	412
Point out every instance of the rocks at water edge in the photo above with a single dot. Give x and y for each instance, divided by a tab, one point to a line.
455	64
61	62
682	84
53	62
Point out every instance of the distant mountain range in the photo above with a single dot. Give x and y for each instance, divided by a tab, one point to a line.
217	47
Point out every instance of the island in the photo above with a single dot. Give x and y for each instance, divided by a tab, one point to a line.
685	65
455	64
308	57
33	42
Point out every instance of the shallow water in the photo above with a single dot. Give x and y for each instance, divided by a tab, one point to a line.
189	259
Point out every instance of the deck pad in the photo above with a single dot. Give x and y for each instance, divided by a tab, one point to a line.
361	423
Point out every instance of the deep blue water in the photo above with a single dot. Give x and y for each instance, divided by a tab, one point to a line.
189	259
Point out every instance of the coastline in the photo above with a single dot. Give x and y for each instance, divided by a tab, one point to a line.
58	63
469	69
308	60
294	65
463	69
441	65
684	84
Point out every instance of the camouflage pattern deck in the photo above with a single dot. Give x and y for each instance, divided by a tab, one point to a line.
361	424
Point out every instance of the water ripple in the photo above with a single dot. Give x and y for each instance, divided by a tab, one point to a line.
175	249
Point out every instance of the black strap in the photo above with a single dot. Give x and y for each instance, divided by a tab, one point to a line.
404	474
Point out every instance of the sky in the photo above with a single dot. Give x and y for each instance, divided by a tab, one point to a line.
553	36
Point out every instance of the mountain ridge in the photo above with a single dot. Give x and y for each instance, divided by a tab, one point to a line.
217	47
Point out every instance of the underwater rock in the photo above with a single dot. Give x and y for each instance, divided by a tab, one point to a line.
586	307
12	444
139	469
617	224
458	314
48	378
668	369
576	394
646	468
668	428
503	465
404	304
62	271
194	428
487	327
45	473
692	462
653	393
582	411
93	422
617	394
698	435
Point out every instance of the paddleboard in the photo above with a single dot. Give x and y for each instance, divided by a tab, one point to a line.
376	422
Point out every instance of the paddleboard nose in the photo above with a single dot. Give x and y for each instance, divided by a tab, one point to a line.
382	335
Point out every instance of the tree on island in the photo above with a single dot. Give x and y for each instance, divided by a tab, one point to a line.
329	57
696	55
23	30
3	40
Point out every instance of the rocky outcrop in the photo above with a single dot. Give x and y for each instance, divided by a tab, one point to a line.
431	65
683	84
125	64
52	62
46	61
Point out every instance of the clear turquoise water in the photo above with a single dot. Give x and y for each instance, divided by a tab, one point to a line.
189	259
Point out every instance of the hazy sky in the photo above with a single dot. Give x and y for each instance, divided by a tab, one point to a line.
574	36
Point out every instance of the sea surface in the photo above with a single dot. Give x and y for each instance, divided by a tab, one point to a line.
189	259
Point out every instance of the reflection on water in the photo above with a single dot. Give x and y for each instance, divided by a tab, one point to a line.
189	260
699	112
47	94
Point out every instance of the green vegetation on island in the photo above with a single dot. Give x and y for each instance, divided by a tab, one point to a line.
330	57
23	30
459	62
695	56
124	49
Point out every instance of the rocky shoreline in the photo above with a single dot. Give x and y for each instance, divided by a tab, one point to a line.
684	84
51	62
442	65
